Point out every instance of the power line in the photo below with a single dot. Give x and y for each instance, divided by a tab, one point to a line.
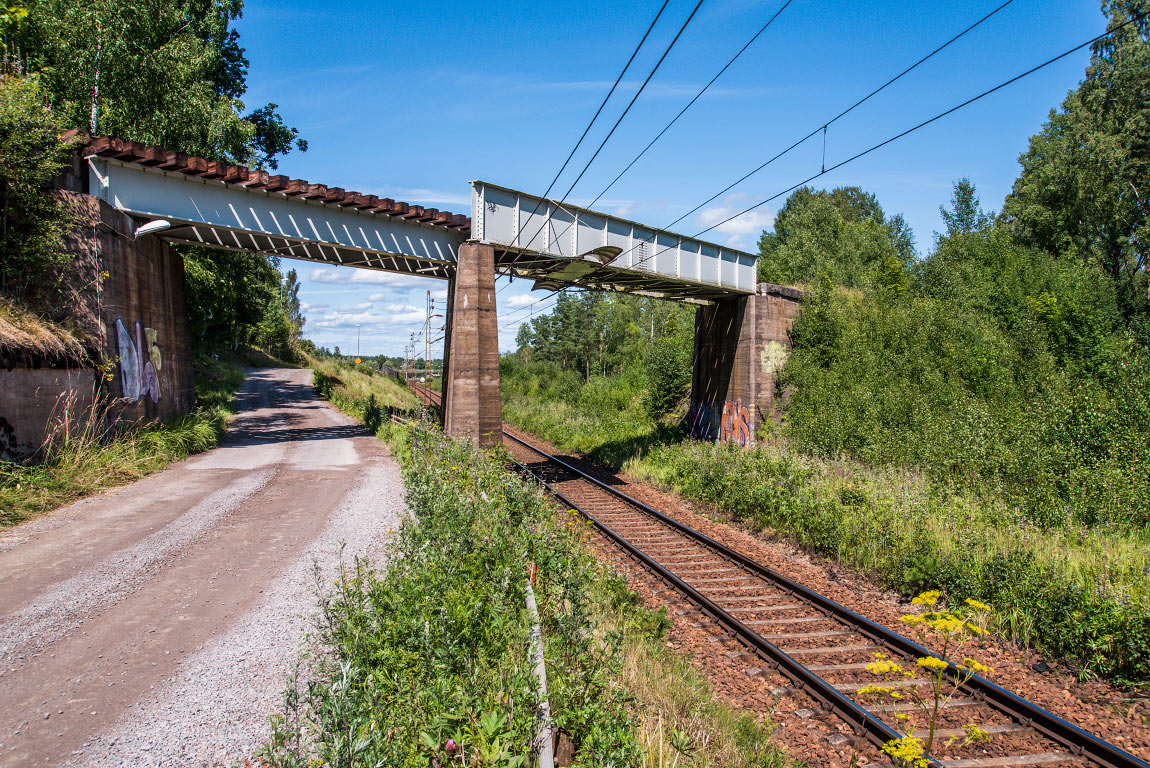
630	104
843	113
821	128
601	106
690	103
904	133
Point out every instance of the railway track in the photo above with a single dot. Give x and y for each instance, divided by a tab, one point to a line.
820	646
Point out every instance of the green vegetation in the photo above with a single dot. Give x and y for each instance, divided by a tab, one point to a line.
86	455
163	72
359	391
975	419
238	299
427	661
32	223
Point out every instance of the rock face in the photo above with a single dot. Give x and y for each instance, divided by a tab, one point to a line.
124	299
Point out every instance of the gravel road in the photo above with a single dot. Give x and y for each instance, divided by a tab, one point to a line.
157	624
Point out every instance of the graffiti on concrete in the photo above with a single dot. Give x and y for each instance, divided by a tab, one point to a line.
700	423
729	422
139	364
736	423
773	357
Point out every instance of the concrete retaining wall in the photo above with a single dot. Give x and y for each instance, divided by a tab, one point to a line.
126	299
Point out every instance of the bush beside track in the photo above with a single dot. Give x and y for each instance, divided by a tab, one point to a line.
425	660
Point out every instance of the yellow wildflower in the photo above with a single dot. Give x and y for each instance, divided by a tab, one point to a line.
932	663
974	733
945	623
927	598
977	605
977	667
975	628
883	666
911	618
907	750
868	689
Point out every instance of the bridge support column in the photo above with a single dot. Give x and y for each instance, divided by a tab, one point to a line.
472	408
740	345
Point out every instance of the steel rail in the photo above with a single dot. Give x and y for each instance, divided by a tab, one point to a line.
1079	742
861	721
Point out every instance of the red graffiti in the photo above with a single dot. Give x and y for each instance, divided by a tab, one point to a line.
735	424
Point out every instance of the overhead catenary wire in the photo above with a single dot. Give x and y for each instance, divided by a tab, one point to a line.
619	120
599	111
823	127
695	98
900	135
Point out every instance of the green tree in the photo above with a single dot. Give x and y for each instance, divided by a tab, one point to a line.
843	234
163	72
1084	190
965	215
32	222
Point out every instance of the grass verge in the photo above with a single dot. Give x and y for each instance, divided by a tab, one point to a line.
1070	591
425	661
86	460
359	391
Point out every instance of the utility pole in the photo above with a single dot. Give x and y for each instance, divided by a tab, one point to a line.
427	334
357	340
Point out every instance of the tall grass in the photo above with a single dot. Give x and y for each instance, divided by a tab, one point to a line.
425	661
1070	590
354	389
85	455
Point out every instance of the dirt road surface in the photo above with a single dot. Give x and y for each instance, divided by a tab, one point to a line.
157	624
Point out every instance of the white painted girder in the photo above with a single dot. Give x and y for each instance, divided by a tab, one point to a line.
237	218
584	241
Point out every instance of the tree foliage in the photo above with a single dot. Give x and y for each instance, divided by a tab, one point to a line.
32	223
997	366
645	341
842	234
237	299
1084	190
164	72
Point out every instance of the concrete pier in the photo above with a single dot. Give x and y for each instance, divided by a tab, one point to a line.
472	408
740	345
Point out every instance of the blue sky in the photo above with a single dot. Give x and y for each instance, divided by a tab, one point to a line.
412	102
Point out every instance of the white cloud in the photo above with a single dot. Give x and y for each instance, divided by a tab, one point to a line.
521	300
328	276
346	275
743	231
369	320
377	297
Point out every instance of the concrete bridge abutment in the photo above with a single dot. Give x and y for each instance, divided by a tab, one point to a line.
740	346
472	408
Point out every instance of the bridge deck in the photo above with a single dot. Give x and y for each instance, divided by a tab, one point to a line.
224	206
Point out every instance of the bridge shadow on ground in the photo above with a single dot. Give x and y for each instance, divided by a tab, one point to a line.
275	411
604	462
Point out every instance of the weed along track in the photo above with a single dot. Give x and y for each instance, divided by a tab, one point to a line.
783	648
820	647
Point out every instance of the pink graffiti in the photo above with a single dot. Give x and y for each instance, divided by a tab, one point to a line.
735	424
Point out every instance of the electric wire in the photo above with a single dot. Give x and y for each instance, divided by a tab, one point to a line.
599	111
823	127
611	132
897	136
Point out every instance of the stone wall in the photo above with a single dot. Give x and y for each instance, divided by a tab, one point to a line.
125	300
740	346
